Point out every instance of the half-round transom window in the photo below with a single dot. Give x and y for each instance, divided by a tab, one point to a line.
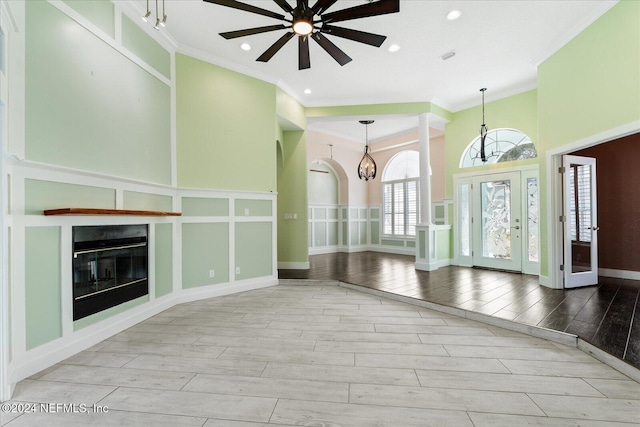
404	165
501	145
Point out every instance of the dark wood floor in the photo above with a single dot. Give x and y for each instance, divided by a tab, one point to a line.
606	315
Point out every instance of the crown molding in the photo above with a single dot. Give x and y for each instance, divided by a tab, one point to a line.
600	9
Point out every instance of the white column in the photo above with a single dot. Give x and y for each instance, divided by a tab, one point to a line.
425	168
425	230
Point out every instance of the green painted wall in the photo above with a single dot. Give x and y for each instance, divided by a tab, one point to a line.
363	234
226	132
392	242
149	202
443	246
41	195
143	46
164	259
518	112
254	253
332	231
375	233
292	198
589	86
199	206
248	207
86	103
204	247
290	112
99	12
320	234
109	312
43	310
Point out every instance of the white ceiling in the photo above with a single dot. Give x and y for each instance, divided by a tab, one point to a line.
498	45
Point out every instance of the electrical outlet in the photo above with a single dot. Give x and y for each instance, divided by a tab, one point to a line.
246	212
212	273
237	270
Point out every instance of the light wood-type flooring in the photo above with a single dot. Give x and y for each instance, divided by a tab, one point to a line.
319	354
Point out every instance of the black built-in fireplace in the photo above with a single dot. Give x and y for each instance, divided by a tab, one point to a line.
109	267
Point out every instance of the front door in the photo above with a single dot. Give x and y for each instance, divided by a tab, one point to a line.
580	222
497	221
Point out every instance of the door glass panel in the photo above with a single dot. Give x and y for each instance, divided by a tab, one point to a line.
465	226
579	189
496	219
532	219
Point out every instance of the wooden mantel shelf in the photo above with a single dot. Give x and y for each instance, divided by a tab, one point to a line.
91	211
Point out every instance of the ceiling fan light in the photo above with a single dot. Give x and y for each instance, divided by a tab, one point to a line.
302	27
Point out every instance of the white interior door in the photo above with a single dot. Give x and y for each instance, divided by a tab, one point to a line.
497	221
580	221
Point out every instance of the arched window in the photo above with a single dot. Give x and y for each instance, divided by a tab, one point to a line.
400	194
501	145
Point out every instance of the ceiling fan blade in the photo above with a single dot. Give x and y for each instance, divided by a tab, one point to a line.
304	61
322	5
250	31
268	54
246	7
284	4
355	35
380	7
331	48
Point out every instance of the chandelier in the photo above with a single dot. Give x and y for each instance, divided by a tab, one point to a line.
367	167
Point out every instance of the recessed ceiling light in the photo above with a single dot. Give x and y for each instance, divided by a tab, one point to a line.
454	14
448	55
394	48
307	91
245	46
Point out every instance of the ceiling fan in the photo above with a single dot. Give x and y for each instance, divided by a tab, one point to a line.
312	22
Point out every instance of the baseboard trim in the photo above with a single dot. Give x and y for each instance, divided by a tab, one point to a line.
433	265
294	265
545	281
211	291
619	274
393	250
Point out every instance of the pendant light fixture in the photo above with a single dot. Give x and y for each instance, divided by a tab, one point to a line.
367	168
483	131
160	22
146	16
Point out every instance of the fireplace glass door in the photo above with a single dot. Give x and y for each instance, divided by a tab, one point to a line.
109	269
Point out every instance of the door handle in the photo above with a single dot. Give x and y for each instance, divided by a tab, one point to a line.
517	227
594	228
